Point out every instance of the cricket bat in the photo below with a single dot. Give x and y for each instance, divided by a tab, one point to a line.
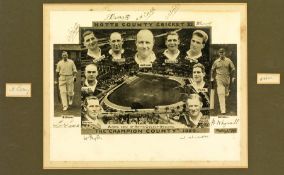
212	93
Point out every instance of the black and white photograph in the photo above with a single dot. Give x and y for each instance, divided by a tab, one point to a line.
224	80
145	76
156	75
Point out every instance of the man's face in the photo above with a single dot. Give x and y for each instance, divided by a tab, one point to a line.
196	44
64	55
221	53
194	106
116	42
90	41
91	72
144	44
197	74
93	108
172	42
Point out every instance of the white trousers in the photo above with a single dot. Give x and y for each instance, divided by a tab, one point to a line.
223	83
66	88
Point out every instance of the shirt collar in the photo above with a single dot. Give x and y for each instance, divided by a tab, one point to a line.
195	122
90	119
150	59
92	87
96	57
170	56
111	52
114	55
196	87
193	58
219	59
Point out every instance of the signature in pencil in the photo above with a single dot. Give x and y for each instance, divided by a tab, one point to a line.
173	11
73	32
146	15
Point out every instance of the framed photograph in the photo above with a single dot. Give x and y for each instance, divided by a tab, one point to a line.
145	85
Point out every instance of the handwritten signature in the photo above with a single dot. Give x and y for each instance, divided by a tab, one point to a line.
146	15
92	137
223	123
265	78
173	11
202	23
194	137
73	32
66	122
116	17
19	89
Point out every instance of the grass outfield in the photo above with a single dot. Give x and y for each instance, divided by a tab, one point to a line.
147	92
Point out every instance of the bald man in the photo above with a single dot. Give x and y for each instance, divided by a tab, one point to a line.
116	52
145	56
89	86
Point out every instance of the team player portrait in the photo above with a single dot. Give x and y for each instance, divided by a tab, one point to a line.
116	52
194	117
197	43
65	77
144	45
91	112
223	73
90	41
172	53
117	57
90	83
195	53
198	85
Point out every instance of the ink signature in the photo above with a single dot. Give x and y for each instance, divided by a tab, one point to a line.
194	137
92	137
202	23
66	122
146	15
73	32
116	17
173	11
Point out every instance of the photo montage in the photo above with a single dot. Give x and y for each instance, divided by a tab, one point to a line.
145	78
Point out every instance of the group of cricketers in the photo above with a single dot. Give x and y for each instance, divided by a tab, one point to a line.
221	71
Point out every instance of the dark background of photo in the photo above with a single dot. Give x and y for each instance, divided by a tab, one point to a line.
21	119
